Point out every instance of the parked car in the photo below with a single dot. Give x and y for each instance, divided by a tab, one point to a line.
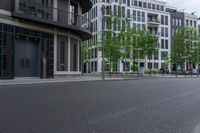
164	71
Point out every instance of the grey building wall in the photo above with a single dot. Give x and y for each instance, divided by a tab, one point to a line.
174	15
6	4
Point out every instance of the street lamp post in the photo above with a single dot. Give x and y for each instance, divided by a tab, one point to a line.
198	60
103	59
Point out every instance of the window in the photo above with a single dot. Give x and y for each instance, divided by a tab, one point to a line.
166	20
155	65
162	19
73	11
62	57
162	8
140	3
187	23
149	65
166	44
195	24
135	3
156	55
138	16
124	1
115	9
162	44
162	31
143	16
145	5
143	27
149	5
134	15
164	55
153	6
134	25
128	13
128	2
157	7
123	11
62	52
108	10
138	26
166	32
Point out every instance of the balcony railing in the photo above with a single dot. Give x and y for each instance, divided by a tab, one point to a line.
153	21
39	12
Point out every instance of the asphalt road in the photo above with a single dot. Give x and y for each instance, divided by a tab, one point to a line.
131	106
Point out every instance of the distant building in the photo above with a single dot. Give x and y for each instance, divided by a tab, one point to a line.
177	19
142	14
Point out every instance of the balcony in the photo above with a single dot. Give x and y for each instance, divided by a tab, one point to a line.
53	16
153	22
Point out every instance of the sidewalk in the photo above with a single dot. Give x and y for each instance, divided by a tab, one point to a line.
21	81
27	80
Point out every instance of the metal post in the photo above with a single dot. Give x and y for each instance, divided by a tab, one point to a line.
103	59
198	60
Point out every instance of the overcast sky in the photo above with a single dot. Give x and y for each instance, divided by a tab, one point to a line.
188	5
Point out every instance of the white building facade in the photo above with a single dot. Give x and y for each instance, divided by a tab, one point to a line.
142	14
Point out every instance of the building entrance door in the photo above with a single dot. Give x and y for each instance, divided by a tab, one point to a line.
26	57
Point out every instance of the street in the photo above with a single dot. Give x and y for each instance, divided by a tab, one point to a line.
126	106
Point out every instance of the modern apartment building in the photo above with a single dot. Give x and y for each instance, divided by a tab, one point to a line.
142	14
42	38
177	19
191	21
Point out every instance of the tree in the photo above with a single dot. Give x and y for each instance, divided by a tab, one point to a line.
184	47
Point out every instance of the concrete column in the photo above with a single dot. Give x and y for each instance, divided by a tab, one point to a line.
78	56
55	50
55	11
69	51
69	15
16	5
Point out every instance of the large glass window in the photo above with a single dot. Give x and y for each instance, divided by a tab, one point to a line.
62	54
73	13
73	55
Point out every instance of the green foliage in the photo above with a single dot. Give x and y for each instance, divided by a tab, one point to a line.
151	71
134	67
185	46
